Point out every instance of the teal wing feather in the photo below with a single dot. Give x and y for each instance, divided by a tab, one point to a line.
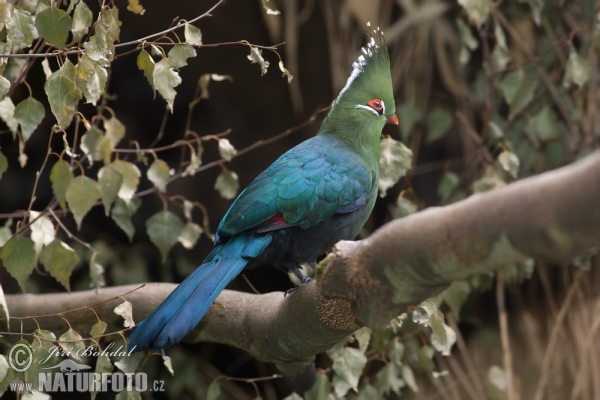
306	185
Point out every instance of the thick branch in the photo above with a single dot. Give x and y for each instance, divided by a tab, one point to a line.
554	216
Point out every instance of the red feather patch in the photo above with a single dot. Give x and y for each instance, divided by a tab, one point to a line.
278	219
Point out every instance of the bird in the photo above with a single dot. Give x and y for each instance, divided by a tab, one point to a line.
314	195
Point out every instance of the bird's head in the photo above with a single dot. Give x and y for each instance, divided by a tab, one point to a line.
366	103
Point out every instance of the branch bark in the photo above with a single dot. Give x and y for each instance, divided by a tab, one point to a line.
553	216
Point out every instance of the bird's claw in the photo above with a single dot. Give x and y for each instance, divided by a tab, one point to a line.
305	280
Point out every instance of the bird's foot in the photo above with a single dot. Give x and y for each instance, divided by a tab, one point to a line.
305	280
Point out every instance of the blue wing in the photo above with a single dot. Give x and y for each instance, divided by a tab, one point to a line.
304	187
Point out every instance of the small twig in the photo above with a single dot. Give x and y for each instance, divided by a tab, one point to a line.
506	352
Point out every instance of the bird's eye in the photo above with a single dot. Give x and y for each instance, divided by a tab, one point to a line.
377	105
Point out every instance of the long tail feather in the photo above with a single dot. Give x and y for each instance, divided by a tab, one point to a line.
181	311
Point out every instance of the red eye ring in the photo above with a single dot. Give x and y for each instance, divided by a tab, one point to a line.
376	104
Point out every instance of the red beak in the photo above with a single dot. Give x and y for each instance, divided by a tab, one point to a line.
393	119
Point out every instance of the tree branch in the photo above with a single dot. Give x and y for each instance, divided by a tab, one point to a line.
554	216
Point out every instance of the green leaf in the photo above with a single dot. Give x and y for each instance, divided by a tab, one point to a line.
285	72
121	214
31	375
146	64
20	29
98	329
227	184
348	365
477	10
489	180
103	369
167	363
409	115
61	177
100	47
53	24
164	229
268	9
448	183
439	121
29	113
135	7
395	159
18	257
226	149
495	383
469	43
81	196
456	295
42	230
3	367
165	80
543	126
131	179
320	390
115	130
97	276
159	174
577	71
518	88
404	207
190	234
72	343
95	145
59	260
63	97
82	21
195	161
91	79
109	184
205	79
180	54
4	84
256	58
509	162
7	112
5	13
129	364
192	34
8	378
442	336
3	164
389	380
214	391
125	310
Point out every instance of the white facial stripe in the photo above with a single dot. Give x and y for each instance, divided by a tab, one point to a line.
371	109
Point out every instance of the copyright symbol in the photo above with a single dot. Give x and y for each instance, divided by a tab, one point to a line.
20	357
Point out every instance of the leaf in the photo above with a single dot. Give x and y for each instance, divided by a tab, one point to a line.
509	162
518	89
146	64
468	41
495	383
226	149
320	390
348	364
81	196
164	229
97	275
20	29
100	47
63	97
95	145
180	54
477	10
543	126
442	336
404	207
121	214
448	184
61	177
168	364
115	130
439	121
159	174
3	367
18	257
131	179
205	80
214	391
7	112
7	315
54	24
129	364
456	295
577	71
8	379
91	79
109	184
103	370
135	7
409	115
363	336
269	10
256	58
165	80
3	164
190	234
5	232
32	375
192	34
394	161
29	113
82	21
285	72
489	180
42	230
59	260
4	84
227	184
125	310
5	13
98	329
388	379
72	343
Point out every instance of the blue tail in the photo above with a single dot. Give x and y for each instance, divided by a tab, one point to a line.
179	313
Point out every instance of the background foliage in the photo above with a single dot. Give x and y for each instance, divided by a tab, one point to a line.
126	130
